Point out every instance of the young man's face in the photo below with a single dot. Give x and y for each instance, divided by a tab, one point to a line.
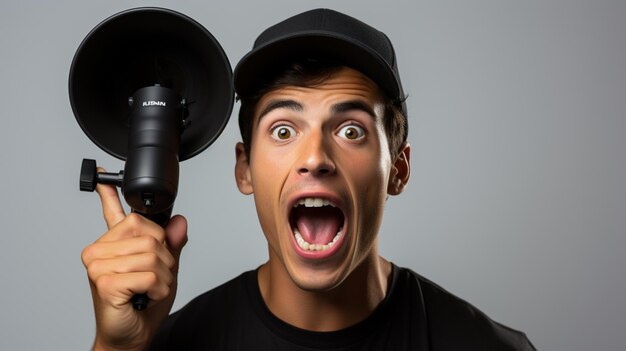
320	171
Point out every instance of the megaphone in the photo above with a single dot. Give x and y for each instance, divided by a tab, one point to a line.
153	87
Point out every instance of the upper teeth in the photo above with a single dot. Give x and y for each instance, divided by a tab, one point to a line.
313	202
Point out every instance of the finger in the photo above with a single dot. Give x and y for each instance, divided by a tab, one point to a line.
146	262
176	235
118	289
111	206
127	247
131	226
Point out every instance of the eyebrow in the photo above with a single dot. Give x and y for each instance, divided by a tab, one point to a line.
276	104
342	107
352	105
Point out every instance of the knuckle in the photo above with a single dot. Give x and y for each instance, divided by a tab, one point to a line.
134	220
87	255
152	259
171	262
152	278
94	268
166	291
169	279
103	283
162	292
150	243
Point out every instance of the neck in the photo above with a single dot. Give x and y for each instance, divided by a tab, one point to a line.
350	302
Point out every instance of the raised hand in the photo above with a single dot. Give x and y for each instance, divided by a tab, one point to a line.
134	256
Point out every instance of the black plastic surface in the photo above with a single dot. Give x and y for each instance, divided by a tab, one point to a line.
88	175
142	47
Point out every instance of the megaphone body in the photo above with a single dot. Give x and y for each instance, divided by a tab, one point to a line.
151	169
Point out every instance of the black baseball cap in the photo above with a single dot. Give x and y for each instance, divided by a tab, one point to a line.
322	33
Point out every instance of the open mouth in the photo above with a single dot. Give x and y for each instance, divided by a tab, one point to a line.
317	224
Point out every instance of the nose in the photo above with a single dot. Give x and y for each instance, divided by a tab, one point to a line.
315	157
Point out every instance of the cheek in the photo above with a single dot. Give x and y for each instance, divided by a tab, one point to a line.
371	164
368	171
265	168
368	182
268	173
263	189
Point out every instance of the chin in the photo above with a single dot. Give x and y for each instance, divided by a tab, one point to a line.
316	284
317	278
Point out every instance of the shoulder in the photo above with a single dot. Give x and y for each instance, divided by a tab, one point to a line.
453	323
215	300
206	316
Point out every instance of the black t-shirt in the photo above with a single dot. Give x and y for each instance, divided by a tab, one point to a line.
416	314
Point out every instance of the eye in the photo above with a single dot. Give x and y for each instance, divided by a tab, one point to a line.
351	132
283	132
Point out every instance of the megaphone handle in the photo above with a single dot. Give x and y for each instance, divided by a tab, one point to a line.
140	301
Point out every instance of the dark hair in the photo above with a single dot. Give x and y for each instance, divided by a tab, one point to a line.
311	72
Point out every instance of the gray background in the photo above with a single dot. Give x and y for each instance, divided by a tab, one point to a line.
516	203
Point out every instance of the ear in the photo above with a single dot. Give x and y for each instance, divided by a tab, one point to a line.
400	171
242	170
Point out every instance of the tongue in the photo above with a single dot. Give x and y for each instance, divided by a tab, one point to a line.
318	225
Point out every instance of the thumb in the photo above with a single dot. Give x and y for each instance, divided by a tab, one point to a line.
176	235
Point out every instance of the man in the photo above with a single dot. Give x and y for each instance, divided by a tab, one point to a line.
323	122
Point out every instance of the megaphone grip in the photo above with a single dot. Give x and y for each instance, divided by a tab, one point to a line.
140	302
